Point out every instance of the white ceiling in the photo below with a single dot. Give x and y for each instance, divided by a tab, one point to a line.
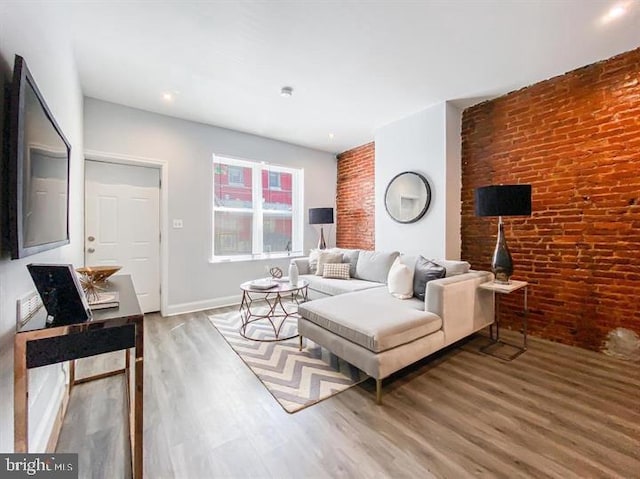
354	65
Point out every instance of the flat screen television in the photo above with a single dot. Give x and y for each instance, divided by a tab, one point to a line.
38	167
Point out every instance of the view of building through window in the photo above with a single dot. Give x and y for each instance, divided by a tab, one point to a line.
255	208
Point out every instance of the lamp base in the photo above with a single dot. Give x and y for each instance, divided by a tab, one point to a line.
500	279
502	263
321	243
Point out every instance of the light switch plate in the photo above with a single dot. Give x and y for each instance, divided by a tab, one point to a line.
177	224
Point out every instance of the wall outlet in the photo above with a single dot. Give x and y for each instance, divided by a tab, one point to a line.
177	224
27	307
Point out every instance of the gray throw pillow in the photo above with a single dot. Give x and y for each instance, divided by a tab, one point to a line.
425	271
349	256
375	265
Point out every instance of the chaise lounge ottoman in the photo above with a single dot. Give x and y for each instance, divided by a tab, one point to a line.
381	334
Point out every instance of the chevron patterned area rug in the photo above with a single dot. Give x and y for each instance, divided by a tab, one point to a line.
296	379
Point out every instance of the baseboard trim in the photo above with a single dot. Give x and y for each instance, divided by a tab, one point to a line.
195	306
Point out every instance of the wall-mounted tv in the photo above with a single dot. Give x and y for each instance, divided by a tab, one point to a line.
38	166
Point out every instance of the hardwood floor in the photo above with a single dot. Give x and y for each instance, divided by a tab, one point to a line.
556	411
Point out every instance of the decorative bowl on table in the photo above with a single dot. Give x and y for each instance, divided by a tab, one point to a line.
93	277
98	274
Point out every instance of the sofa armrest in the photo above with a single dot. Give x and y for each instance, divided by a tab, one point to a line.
302	264
463	307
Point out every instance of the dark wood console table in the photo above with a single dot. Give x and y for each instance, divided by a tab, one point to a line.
113	329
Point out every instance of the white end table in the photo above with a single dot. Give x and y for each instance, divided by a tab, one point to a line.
496	342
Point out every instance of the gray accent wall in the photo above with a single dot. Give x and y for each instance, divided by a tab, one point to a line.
35	31
187	147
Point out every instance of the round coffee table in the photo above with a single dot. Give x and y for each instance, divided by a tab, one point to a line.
276	314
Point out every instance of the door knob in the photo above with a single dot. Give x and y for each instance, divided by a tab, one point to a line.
91	250
91	238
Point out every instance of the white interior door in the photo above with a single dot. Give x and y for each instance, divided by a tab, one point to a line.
122	224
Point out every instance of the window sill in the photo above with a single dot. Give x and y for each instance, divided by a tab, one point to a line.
264	257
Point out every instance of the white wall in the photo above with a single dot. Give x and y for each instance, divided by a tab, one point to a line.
34	32
427	142
194	283
453	181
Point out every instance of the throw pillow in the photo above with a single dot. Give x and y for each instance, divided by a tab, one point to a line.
375	265
349	256
324	258
409	260
313	260
400	280
336	270
426	270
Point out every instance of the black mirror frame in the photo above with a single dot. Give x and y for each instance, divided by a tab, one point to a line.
426	205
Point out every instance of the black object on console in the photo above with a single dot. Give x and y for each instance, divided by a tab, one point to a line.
61	293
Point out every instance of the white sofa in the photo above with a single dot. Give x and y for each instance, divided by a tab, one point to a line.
361	322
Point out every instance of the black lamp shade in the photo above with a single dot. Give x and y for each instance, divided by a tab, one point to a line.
503	200
320	216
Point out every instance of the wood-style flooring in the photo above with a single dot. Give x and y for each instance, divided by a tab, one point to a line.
556	411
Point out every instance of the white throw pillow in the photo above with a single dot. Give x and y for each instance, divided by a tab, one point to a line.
313	260
400	280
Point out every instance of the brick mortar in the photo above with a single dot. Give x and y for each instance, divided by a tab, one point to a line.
576	139
355	198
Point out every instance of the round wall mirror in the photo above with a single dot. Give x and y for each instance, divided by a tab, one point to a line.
407	197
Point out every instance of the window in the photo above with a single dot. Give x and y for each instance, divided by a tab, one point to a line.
274	180
235	176
257	210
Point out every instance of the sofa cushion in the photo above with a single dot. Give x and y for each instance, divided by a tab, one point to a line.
453	268
326	257
349	256
425	271
332	286
373	319
336	270
375	265
409	259
400	280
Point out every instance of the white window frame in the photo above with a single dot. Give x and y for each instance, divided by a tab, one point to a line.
297	216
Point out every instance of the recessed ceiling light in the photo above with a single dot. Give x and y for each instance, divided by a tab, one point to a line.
331	135
286	91
167	96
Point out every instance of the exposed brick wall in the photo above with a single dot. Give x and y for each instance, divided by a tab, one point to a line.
355	202
576	139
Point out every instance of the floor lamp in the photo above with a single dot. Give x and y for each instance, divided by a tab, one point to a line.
321	216
503	200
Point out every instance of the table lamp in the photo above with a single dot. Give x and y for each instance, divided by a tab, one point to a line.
503	200
321	216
